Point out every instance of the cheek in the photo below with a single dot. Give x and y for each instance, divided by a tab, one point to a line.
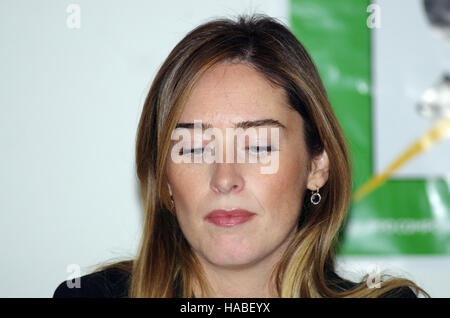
190	186
282	193
185	182
291	176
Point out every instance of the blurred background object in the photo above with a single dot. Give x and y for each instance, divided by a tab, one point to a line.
435	101
438	14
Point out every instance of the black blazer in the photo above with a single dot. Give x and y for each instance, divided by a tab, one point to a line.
109	283
114	283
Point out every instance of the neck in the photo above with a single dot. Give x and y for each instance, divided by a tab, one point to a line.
250	282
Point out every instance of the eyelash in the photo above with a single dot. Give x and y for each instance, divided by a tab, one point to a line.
266	148
189	151
184	151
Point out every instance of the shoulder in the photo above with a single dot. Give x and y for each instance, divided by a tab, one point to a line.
107	283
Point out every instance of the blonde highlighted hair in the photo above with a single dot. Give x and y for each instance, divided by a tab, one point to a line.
307	268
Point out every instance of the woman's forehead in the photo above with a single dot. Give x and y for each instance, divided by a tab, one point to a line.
233	92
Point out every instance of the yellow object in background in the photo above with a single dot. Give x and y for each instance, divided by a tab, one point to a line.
425	142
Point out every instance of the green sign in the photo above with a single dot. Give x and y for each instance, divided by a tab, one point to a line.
400	216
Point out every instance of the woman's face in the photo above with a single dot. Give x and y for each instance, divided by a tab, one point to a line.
225	95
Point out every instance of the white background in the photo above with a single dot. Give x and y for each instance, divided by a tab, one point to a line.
69	108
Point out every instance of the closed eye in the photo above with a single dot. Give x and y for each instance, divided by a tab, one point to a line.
259	149
196	151
253	149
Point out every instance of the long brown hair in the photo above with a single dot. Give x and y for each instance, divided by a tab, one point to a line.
164	256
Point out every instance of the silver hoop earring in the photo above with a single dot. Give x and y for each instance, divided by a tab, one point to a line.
315	197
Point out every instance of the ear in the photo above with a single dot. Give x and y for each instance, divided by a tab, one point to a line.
318	175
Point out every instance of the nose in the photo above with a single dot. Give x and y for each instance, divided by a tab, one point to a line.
226	178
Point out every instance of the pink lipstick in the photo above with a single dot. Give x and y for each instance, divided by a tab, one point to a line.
229	218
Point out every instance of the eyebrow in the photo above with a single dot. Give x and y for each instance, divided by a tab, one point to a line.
243	124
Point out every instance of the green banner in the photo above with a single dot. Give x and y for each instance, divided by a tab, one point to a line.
400	216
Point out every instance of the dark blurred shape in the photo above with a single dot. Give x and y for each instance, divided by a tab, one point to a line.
438	13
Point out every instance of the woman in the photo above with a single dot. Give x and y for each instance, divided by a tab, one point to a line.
225	228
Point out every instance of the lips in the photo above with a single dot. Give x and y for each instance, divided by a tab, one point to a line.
225	218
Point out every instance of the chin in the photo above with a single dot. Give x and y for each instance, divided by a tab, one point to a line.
232	256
